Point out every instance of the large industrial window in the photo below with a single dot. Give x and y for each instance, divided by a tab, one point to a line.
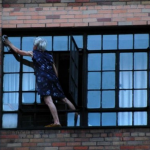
106	77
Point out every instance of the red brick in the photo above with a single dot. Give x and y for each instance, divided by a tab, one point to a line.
128	138
9	136
142	147
59	144
74	4
29	144
22	148
39	9
118	134
6	5
127	147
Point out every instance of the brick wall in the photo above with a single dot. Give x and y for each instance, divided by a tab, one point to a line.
74	13
101	139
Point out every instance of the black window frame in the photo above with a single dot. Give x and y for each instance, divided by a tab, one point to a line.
89	31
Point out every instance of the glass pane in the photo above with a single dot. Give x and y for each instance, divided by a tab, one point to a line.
125	118
126	61
125	80
27	64
70	119
140	79
108	99
48	40
15	41
140	98
108	80
94	42
108	119
28	98
109	61
93	119
9	59
141	41
125	98
38	98
109	42
60	43
28	83
11	82
140	60
94	62
10	101
79	40
140	118
94	80
94	99
27	43
126	41
9	121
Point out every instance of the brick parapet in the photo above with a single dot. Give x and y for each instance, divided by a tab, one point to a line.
88	139
15	17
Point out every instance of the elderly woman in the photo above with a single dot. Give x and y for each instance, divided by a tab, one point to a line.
46	76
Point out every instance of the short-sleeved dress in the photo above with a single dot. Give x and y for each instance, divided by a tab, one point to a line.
46	79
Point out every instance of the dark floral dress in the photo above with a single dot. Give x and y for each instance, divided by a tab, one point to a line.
46	79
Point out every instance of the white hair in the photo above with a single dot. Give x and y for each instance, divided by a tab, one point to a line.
40	43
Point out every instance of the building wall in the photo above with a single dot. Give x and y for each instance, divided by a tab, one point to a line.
74	13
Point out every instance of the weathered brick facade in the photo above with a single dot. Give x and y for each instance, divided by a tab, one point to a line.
74	13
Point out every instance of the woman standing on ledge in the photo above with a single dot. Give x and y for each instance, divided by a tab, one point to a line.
46	76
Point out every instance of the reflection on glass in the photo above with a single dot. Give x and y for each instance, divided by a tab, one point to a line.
38	98
108	119
27	64
11	64
109	42
11	82
125	118
27	43
140	60
140	79
126	41
28	98
28	83
94	99
126	61
125	80
60	43
108	80
141	41
15	41
94	80
10	101
94	42
125	98
140	98
9	120
79	40
94	62
108	61
140	118
70	119
93	119
108	99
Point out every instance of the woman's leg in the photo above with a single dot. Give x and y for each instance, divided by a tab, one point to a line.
70	105
48	100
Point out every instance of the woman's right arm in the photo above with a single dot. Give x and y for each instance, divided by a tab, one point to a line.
18	51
